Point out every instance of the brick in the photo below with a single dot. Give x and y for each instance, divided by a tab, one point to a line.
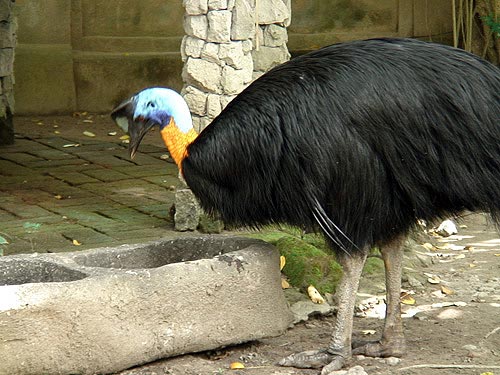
73	178
52	154
20	157
8	168
105	174
25	211
50	164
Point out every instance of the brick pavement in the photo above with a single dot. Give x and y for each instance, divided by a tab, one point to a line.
52	194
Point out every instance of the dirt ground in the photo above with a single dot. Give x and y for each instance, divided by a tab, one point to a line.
461	334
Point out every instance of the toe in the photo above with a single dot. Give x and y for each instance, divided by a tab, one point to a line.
308	359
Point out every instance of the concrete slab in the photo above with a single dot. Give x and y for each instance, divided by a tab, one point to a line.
107	309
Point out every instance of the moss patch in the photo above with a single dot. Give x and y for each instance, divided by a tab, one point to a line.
309	261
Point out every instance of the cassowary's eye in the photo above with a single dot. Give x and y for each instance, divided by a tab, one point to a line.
150	105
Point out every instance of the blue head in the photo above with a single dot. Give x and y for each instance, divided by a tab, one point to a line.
155	106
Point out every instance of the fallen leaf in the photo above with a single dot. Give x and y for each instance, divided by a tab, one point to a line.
126	141
88	134
282	262
497	255
407	299
284	284
123	137
460	256
314	295
165	157
236	365
71	145
88	121
447	290
39	123
112	133
57	132
429	246
368	332
434	279
58	196
76	243
472	265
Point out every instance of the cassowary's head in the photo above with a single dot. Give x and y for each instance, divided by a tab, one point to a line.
152	106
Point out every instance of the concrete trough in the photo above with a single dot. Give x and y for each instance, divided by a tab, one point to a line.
108	309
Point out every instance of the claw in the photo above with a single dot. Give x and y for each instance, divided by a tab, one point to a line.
307	359
380	349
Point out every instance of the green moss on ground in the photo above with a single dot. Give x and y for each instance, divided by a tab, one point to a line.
309	260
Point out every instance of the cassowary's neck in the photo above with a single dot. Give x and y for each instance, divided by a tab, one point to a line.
177	141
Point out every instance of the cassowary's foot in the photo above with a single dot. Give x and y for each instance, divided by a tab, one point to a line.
394	348
314	359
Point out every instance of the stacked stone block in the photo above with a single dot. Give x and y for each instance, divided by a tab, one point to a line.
228	44
8	28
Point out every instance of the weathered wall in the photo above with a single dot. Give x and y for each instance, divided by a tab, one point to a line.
8	27
88	54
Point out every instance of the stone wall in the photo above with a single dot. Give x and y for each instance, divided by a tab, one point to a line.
8	28
229	43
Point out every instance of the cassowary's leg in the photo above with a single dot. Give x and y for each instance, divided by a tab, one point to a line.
339	349
392	342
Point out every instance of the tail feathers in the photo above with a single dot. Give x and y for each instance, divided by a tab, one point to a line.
331	230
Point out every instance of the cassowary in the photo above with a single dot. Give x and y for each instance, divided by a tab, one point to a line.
357	140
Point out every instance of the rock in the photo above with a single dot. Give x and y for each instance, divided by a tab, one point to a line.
243	20
225	100
217	4
213	105
414	282
447	228
196	100
302	310
203	74
233	55
356	370
209	225
234	81
195	7
268	57
273	11
196	26
210	53
187	210
219	26
192	47
392	361
275	36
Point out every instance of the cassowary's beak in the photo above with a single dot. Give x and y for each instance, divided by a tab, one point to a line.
123	116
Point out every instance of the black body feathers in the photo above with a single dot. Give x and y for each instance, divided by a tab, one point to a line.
357	139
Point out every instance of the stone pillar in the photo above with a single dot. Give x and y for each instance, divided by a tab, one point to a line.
8	27
228	43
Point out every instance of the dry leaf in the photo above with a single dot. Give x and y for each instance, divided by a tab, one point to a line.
429	246
236	366
57	132
76	243
88	121
472	265
282	262
314	295
447	290
112	133
497	255
368	332
88	134
434	279
460	256
284	284
407	299
124	137
71	145
58	196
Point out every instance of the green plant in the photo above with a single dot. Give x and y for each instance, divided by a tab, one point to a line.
493	23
